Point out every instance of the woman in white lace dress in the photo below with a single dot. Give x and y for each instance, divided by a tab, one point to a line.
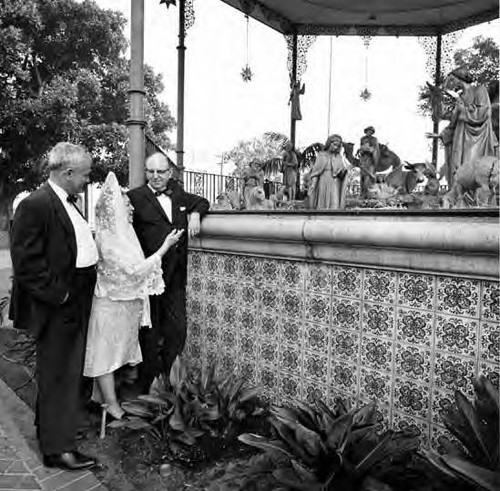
125	279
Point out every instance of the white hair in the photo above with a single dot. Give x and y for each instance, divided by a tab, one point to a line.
64	154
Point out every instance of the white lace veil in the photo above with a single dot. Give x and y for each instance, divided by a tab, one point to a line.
122	273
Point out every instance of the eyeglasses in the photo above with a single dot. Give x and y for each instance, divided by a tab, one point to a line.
159	172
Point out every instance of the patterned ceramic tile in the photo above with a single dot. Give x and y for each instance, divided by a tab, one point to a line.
315	366
346	281
229	292
212	286
442	400
456	335
212	335
411	398
194	329
317	308
196	285
413	362
268	352
270	299
271	271
379	286
346	313
290	359
268	327
248	371
312	392
249	269
227	364
292	304
228	339
403	422
293	275
378	320
291	332
375	386
490	301
213	310
213	263
316	337
345	345
344	377
195	308
376	353
416	290
247	346
318	279
249	295
229	316
268	379
248	319
492	371
490	342
414	326
453	372
194	262
230	266
458	296
290	387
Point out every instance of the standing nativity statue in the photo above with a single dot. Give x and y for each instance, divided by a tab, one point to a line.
470	135
328	177
294	100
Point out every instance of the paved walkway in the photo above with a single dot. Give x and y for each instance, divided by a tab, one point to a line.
20	465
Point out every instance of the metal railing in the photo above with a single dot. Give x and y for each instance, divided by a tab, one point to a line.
211	185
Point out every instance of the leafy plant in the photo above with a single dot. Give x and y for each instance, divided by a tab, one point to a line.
194	406
318	448
4	301
476	457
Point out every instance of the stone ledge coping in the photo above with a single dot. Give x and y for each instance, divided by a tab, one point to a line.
450	242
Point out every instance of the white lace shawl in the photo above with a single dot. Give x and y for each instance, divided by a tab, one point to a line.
123	273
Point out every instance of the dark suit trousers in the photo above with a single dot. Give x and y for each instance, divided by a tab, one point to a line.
60	356
161	344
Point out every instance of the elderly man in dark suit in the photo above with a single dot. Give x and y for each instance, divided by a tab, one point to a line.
54	257
160	206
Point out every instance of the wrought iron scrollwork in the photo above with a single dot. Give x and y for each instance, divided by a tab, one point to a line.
189	16
303	45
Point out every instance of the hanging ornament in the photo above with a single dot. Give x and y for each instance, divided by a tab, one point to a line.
246	71
365	94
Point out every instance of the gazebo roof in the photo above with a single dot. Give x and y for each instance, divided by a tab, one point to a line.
369	17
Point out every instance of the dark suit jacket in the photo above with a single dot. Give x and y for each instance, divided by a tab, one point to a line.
43	250
152	224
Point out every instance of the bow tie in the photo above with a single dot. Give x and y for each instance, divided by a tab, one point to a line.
166	192
72	198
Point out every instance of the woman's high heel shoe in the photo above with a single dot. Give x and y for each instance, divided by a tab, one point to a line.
112	417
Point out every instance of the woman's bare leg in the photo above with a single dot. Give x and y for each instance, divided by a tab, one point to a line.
106	384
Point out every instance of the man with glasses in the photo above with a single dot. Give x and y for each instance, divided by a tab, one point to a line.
161	206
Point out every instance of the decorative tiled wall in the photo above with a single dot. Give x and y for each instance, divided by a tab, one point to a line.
303	329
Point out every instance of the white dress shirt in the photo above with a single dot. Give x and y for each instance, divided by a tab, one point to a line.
86	249
165	203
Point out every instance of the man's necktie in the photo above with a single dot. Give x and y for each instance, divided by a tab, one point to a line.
166	192
73	199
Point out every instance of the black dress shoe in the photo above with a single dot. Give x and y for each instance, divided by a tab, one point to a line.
69	461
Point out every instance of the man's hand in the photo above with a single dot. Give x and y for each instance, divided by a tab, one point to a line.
194	225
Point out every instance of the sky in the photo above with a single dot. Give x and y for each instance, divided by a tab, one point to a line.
221	109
